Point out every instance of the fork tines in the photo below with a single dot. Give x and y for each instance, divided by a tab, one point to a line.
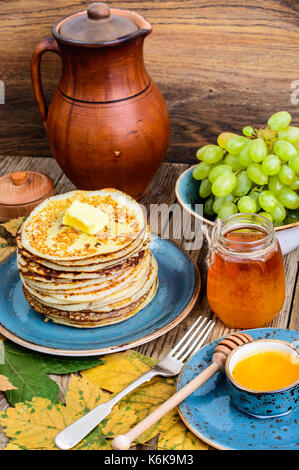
195	336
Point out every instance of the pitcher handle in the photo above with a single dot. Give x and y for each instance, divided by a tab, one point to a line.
51	45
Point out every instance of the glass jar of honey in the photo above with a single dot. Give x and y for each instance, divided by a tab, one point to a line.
246	285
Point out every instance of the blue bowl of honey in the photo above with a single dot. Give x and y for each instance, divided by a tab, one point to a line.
263	378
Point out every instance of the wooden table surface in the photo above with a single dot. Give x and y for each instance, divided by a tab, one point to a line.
162	191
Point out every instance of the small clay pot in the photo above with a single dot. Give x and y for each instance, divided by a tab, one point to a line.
21	192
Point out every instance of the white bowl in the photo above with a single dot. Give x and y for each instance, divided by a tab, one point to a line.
186	189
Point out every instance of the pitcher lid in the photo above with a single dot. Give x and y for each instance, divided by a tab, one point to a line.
97	24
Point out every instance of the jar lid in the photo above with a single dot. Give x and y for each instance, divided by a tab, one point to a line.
23	187
97	24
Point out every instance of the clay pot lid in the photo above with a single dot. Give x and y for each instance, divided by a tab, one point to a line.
24	187
98	24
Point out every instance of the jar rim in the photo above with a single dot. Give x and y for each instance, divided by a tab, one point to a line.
245	220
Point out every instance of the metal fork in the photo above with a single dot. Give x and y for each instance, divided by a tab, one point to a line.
169	366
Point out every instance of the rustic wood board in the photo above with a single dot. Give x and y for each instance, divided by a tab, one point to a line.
220	65
162	191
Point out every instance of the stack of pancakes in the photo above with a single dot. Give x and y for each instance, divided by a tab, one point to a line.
83	280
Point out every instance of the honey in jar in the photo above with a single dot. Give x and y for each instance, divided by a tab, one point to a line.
246	285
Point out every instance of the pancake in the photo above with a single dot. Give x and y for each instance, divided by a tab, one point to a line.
94	292
87	281
143	237
44	234
41	282
64	285
38	272
89	319
115	300
92	264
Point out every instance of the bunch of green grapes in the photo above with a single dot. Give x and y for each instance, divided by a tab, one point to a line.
257	172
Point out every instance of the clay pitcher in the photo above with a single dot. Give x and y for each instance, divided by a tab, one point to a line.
107	123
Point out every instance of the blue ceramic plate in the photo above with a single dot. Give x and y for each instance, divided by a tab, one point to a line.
211	416
179	284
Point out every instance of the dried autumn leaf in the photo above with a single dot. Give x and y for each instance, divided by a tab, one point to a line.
34	425
5	250
5	384
119	370
120	420
159	427
13	224
7	233
178	437
146	399
12	447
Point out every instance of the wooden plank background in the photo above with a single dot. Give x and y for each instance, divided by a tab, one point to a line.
220	65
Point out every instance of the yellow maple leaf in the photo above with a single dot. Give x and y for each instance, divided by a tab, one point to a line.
119	370
5	383
34	425
120	421
11	446
82	396
83	399
160	427
178	437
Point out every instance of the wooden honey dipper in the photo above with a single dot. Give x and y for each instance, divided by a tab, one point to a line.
222	350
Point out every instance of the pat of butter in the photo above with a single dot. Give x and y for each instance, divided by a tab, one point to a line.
86	218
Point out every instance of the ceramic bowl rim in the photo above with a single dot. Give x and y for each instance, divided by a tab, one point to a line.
203	219
257	392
